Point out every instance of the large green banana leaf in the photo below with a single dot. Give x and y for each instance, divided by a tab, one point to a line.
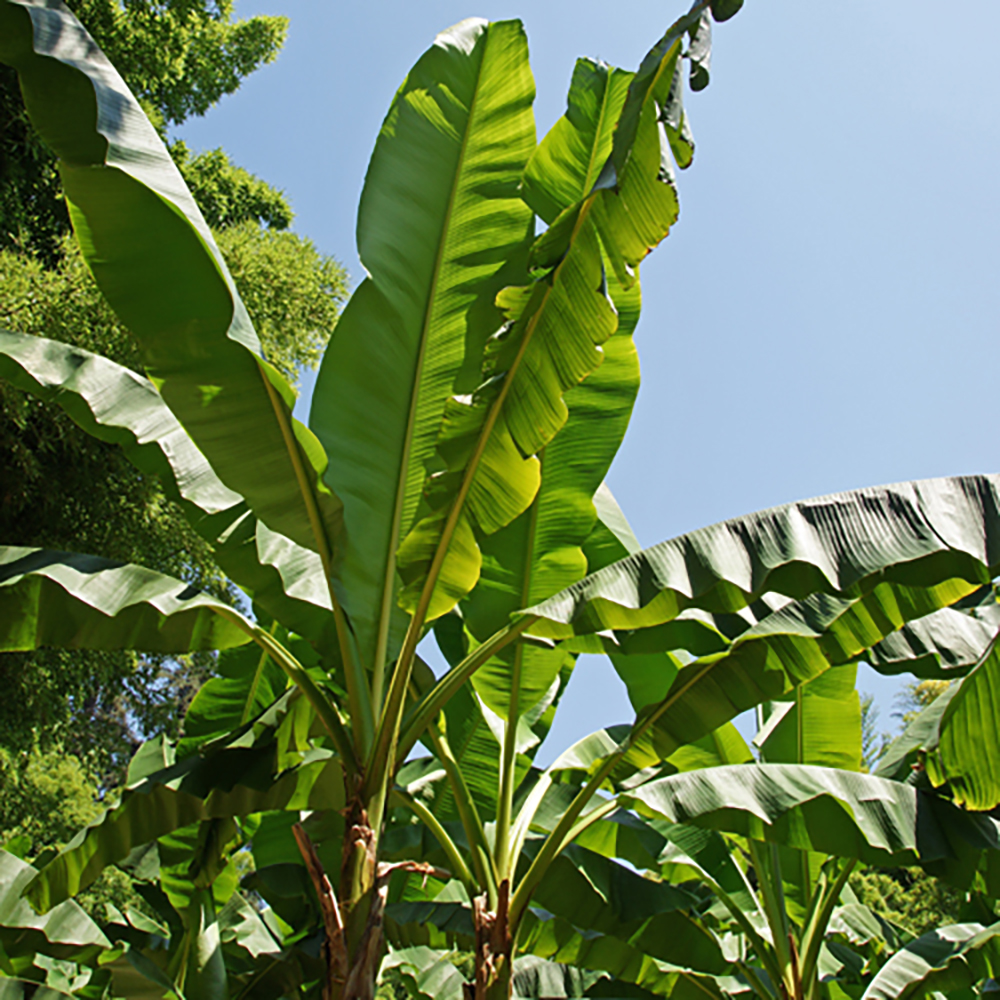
83	602
115	404
870	559
934	535
153	256
950	958
66	931
555	328
441	229
631	962
540	552
818	809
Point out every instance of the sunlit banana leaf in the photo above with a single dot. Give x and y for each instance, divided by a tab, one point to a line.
444	173
540	552
921	535
153	256
949	958
551	342
83	602
871	559
115	404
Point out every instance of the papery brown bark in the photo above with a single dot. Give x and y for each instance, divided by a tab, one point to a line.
494	948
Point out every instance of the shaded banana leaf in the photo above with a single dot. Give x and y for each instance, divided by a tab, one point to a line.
818	809
66	931
153	256
949	958
83	602
966	752
944	645
115	404
537	979
558	940
903	754
441	229
236	781
249	683
21	989
598	894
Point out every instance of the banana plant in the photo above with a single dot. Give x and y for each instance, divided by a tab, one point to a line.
435	405
472	398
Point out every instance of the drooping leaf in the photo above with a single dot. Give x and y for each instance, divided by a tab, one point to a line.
923	535
944	645
871	561
66	931
816	808
234	781
966	752
156	262
949	958
115	404
441	229
83	602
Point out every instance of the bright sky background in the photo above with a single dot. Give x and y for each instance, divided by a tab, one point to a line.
823	316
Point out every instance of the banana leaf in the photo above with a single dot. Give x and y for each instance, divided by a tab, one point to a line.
83	602
156	262
115	404
949	958
444	172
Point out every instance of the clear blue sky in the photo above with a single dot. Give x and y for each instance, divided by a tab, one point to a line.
824	315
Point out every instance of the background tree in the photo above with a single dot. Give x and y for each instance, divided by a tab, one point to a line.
60	484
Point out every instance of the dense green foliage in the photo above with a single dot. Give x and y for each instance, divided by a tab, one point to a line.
62	489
